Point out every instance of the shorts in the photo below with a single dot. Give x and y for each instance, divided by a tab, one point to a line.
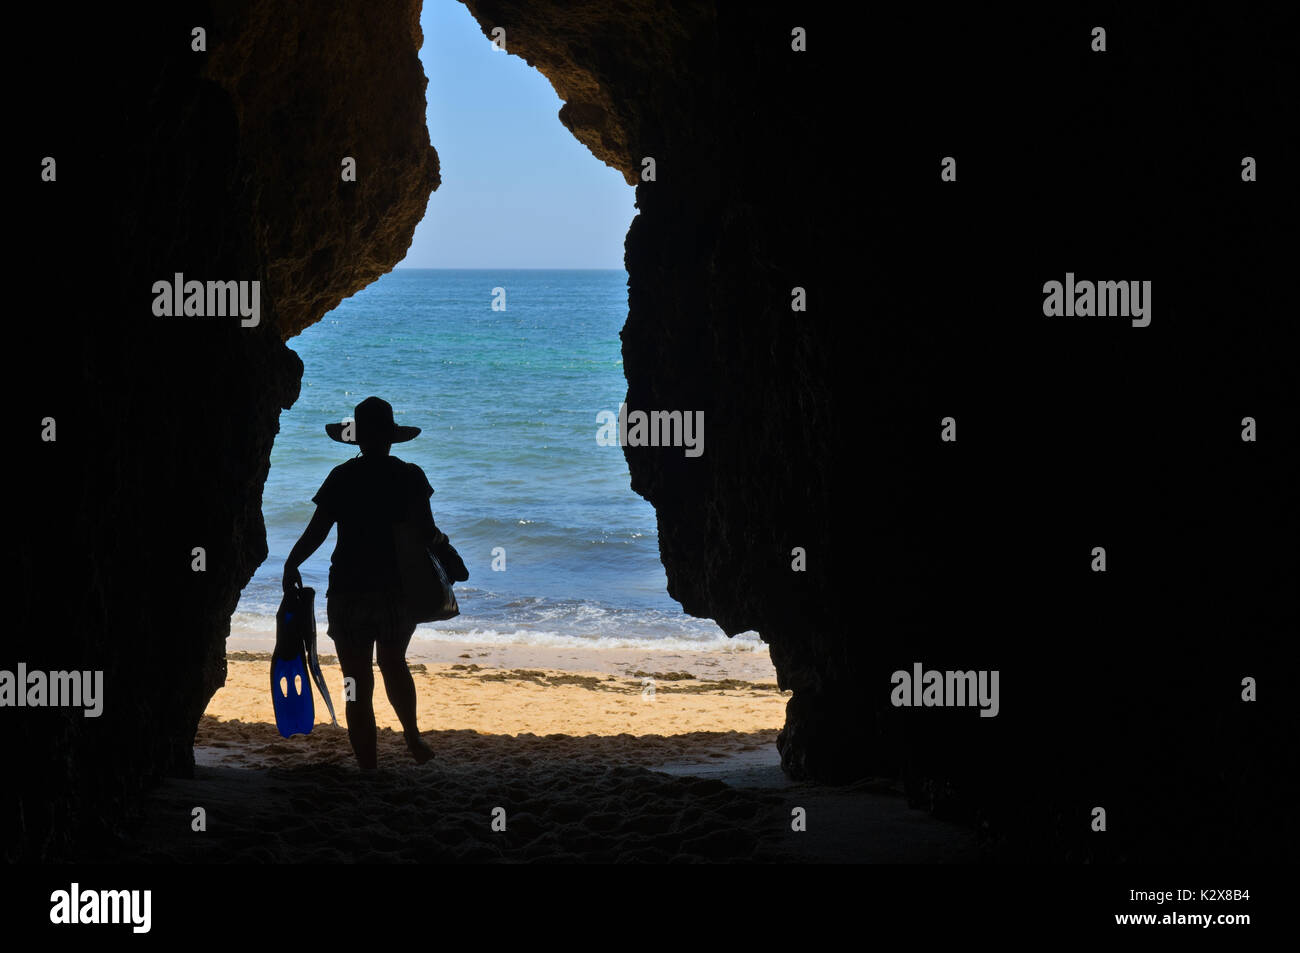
362	618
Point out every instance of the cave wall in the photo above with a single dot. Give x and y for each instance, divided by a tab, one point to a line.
774	170
173	160
821	170
732	120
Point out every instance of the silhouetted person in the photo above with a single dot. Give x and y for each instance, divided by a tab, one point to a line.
366	496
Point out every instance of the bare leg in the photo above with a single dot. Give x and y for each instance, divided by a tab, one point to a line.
400	687
355	661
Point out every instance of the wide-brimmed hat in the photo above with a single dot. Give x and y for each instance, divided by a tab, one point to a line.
373	423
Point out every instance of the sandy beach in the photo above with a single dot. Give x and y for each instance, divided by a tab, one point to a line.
540	690
564	747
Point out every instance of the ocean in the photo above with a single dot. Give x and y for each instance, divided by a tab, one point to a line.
507	402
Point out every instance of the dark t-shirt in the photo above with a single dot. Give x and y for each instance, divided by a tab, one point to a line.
366	496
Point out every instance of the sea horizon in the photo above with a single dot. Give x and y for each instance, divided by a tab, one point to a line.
507	402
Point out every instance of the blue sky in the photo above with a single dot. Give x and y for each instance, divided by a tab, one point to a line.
518	191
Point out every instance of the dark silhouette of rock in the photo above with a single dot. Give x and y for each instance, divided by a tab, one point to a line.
172	160
773	170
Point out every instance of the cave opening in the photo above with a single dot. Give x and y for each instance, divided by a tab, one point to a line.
221	163
498	336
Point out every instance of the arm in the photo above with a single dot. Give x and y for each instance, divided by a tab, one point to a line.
443	549
419	510
429	529
315	533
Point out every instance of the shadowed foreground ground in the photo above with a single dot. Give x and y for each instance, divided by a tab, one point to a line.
706	796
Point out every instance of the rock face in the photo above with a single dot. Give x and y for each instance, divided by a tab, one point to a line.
777	170
173	160
774	170
726	110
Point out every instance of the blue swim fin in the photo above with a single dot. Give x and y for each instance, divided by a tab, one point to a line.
306	605
295	710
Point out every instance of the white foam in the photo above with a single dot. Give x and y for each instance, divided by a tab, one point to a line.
745	642
253	625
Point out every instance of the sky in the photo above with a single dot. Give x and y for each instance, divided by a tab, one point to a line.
518	191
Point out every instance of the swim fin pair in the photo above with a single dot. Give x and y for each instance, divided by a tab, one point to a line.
294	656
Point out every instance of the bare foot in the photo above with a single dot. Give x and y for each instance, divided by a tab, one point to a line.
419	750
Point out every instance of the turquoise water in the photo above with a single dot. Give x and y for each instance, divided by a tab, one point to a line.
507	401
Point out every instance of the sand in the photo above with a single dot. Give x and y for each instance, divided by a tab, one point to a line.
539	690
541	754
